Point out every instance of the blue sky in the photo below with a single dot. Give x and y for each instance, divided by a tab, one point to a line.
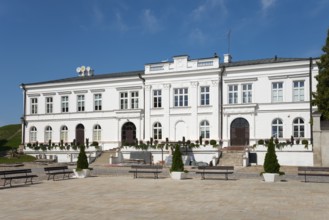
47	39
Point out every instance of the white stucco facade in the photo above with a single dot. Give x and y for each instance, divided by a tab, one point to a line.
176	99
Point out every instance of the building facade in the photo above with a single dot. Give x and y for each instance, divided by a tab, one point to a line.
234	103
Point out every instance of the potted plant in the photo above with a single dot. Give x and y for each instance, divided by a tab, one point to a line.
177	167
271	165
82	170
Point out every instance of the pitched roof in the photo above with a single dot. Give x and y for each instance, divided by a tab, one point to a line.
94	77
141	72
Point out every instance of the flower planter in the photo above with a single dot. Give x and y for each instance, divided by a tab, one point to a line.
271	177
81	173
178	175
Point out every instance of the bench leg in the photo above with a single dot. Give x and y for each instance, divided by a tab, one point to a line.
203	176
226	176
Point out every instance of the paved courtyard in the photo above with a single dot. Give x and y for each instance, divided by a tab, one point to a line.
122	197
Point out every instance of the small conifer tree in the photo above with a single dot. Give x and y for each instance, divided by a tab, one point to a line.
177	162
321	96
82	162
271	164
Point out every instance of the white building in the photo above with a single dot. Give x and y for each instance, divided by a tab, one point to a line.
238	103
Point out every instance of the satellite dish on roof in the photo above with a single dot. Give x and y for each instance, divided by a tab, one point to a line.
83	68
88	68
78	69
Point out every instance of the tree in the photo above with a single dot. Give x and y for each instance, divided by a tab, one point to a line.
271	164
82	162
177	162
321	96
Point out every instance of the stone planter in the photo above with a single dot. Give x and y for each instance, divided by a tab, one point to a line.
178	175
271	177
82	173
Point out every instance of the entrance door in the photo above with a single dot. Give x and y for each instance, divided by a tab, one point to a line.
239	132
80	134
128	133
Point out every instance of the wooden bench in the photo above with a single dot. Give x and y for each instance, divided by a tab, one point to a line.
211	170
146	169
53	171
313	171
9	175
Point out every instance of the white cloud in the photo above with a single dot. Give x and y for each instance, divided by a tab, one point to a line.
120	23
266	5
208	6
197	36
97	15
150	22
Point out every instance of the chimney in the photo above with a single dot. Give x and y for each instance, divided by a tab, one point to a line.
227	58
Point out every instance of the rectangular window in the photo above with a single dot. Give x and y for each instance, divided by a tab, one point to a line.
49	105
65	103
246	93
298	91
277	92
157	99
134	100
233	94
34	106
97	102
181	97
204	93
123	100
81	103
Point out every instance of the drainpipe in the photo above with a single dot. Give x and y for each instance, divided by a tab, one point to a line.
23	121
221	102
310	81
140	76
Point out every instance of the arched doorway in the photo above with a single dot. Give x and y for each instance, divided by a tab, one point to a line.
80	134
128	133
239	132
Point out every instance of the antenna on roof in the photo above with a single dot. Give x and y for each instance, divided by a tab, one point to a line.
229	41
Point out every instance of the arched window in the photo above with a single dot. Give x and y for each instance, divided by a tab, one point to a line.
299	127
64	134
48	133
204	129
157	131
33	134
97	133
277	128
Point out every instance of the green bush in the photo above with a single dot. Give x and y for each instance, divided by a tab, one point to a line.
305	142
271	164
82	162
177	162
213	142
261	142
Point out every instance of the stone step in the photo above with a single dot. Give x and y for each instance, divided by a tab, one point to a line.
104	158
231	158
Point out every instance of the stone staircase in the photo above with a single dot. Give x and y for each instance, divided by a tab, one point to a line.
232	156
104	158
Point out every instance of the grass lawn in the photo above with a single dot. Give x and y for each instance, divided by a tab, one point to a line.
19	159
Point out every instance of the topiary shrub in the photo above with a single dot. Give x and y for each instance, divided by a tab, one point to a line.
305	142
82	162
271	164
213	142
177	162
261	142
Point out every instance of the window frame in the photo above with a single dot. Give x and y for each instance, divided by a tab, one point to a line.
48	133
247	93
34	106
180	97
98	102
277	93
300	90
300	128
64	134
233	94
278	128
64	104
97	133
204	95
157	98
123	100
33	134
134	99
49	104
204	129
80	103
157	131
